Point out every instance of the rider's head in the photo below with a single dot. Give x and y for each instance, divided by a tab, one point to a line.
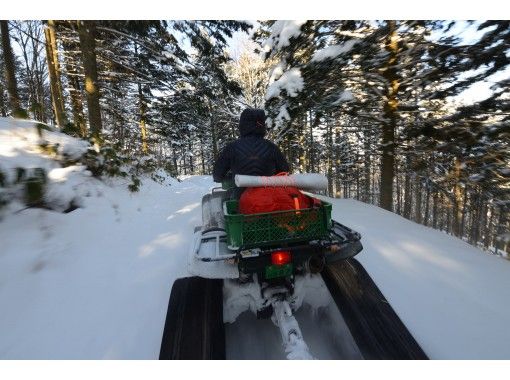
252	122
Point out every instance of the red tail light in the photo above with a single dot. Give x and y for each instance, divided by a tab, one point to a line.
280	257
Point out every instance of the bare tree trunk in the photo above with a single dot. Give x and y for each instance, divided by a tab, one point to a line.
302	151
418	211
373	195
399	193
357	175
488	228
38	74
311	160
457	199
502	228
366	168
87	31
143	126
390	115
54	74
427	204
190	154
214	138
338	162
475	227
202	154
142	123
330	156
9	72
3	111
435	201
23	43
448	226
174	160
464	209
482	221
407	190
75	90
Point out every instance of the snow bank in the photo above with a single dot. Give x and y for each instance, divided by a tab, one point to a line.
452	296
95	283
69	186
27	145
21	143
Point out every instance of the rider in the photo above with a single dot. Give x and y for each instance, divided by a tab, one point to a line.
251	154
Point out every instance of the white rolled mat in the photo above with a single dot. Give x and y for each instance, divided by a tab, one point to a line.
305	181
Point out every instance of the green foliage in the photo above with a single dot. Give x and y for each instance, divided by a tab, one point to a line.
135	185
42	127
20	114
20	174
3	179
34	188
71	129
32	182
49	149
105	161
3	183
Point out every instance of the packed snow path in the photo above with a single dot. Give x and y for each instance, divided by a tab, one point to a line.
95	283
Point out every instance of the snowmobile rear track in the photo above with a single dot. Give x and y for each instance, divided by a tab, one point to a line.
194	323
374	325
194	326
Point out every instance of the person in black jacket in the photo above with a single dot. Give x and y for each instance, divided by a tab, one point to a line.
251	154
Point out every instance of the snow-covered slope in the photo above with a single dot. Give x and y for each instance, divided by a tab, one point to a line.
95	283
30	146
451	296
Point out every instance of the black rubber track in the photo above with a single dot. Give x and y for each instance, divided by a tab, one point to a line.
374	325
194	323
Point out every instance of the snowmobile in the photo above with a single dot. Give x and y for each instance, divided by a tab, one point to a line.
256	257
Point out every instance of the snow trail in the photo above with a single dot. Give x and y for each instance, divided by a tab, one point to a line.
95	283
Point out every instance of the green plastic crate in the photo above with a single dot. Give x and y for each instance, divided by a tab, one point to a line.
260	230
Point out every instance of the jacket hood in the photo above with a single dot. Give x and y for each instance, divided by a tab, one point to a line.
252	122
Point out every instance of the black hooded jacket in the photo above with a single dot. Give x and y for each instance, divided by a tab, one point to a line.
251	154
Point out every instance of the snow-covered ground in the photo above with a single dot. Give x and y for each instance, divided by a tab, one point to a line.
95	283
452	296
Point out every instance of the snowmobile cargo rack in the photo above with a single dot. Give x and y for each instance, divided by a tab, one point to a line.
261	230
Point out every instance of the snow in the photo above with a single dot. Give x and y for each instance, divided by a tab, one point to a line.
290	81
345	96
20	147
476	177
281	33
95	283
283	115
69	186
333	51
452	296
20	143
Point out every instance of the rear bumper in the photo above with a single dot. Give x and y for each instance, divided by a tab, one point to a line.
341	244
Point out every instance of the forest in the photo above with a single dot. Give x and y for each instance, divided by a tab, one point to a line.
411	116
